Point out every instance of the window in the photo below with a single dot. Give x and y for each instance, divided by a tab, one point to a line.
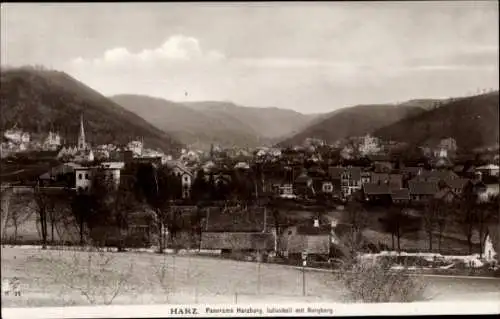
80	176
86	176
186	178
290	233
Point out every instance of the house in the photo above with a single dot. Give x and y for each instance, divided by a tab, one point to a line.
113	171
327	187
350	181
62	175
410	172
421	191
303	184
284	190
366	177
185	175
447	195
242	229
492	245
52	142
381	163
335	176
442	163
246	242
377	192
84	155
309	236
435	176
400	196
393	180
83	178
457	185
490	169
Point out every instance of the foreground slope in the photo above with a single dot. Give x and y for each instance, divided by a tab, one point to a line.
353	121
471	121
40	100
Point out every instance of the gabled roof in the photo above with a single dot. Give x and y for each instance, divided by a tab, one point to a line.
335	172
309	229
423	188
237	241
379	158
234	219
444	192
354	172
488	167
458	168
457	183
303	178
436	175
401	194
113	165
386	177
411	170
376	189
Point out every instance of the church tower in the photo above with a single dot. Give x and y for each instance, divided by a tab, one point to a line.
82	145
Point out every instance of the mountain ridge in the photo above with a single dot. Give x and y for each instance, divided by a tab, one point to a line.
225	123
38	100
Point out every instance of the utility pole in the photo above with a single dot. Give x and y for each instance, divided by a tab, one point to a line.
304	264
258	272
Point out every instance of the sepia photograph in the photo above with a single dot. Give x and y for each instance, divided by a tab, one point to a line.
235	159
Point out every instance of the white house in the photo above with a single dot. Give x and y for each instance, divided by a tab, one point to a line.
83	178
53	141
327	187
136	147
490	169
492	245
185	175
369	145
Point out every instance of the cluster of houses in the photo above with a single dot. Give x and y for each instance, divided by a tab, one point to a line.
403	185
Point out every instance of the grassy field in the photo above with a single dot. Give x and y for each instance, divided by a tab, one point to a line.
194	280
191	279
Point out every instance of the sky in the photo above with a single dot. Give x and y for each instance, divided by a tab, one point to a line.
309	57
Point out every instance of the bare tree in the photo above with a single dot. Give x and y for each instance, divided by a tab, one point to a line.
354	216
44	203
165	275
431	216
465	210
17	216
93	273
441	217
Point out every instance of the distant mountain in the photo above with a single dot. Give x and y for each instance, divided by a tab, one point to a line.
191	126
38	100
201	123
471	121
270	122
352	121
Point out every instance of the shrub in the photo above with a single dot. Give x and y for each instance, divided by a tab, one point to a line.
370	281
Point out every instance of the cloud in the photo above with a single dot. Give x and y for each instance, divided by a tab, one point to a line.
175	48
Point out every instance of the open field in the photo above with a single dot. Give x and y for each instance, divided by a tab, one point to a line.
194	279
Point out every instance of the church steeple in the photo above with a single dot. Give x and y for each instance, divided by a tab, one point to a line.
82	145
